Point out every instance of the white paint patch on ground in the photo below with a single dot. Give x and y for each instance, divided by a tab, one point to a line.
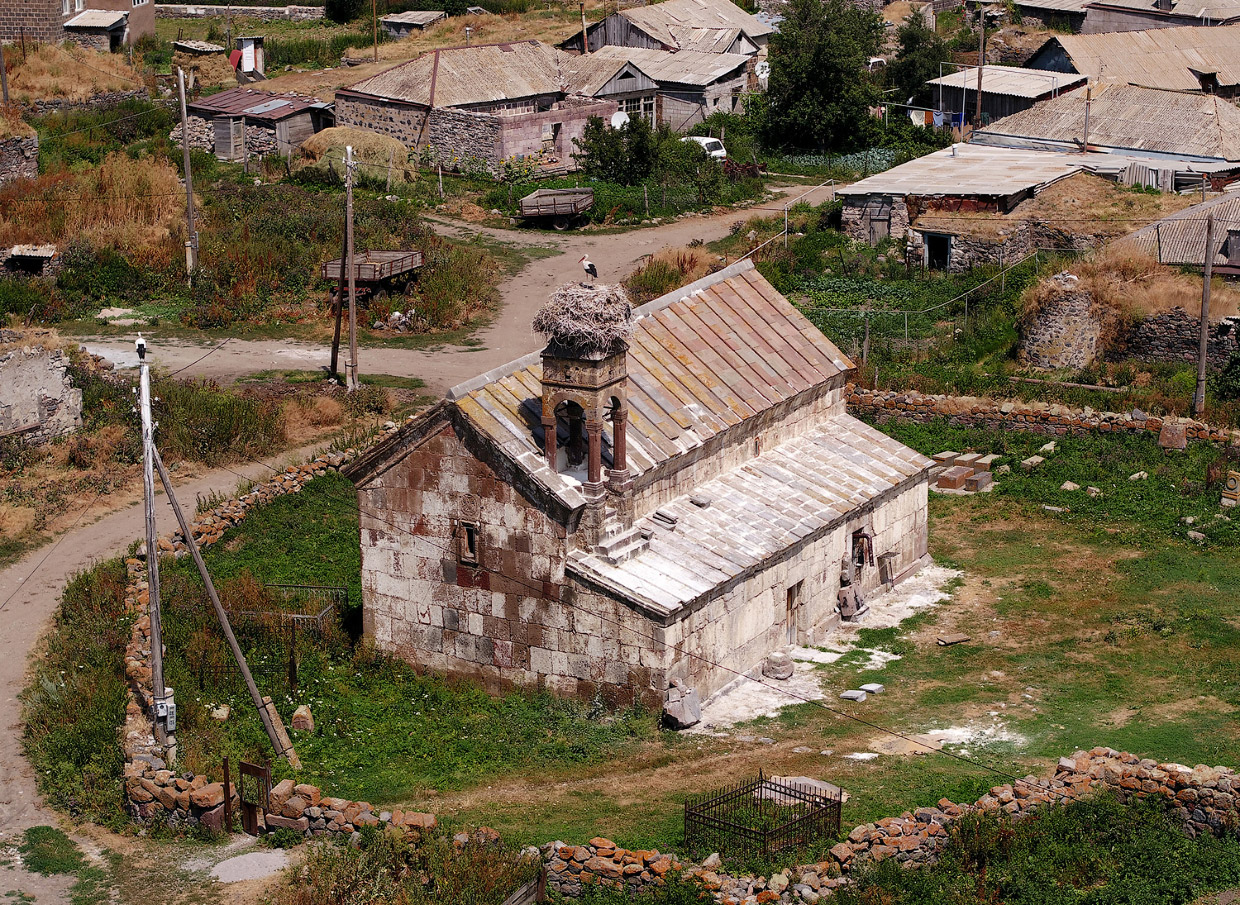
861	755
251	866
977	735
753	695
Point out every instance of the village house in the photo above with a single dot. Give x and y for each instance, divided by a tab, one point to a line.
602	519
484	103
106	25
1202	60
1104	16
679	89
1005	90
1063	15
705	26
1180	239
402	25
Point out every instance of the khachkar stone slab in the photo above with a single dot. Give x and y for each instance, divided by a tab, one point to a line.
1231	490
1173	436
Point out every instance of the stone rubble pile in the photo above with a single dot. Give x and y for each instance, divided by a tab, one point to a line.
259	140
1041	417
1204	800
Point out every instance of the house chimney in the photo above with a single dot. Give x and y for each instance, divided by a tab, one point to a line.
585	39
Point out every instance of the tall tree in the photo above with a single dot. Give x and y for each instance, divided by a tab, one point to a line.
917	61
820	90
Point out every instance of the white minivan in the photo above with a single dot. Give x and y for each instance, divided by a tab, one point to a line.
712	146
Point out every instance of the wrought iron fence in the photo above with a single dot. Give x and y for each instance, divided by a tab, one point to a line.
762	816
308	606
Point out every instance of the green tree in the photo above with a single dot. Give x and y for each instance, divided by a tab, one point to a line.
917	61
343	10
820	91
626	155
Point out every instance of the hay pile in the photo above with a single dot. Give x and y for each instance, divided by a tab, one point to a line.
371	150
586	320
210	70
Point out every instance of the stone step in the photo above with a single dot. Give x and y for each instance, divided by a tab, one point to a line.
622	546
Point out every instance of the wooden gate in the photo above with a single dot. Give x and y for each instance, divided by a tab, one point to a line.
252	808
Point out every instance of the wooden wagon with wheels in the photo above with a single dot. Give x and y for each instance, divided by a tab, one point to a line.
561	208
378	274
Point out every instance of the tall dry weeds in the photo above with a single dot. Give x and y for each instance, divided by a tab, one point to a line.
68	72
122	202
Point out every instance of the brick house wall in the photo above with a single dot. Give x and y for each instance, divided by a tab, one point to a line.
36	20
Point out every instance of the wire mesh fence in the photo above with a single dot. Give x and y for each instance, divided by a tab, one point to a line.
763	816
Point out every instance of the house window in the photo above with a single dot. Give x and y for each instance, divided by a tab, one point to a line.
639	106
141	2
79	5
467	543
64	7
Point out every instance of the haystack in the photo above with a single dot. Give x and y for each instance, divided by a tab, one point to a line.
209	69
374	153
586	320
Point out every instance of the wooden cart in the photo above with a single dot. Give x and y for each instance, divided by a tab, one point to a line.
562	207
378	274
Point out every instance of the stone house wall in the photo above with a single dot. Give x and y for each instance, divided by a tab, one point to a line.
969	251
35	20
19	158
855	222
266	13
404	122
456	136
522	133
1173	337
35	390
98	41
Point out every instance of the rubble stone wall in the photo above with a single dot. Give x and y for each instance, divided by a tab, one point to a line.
1064	334
455	136
37	398
403	122
155	792
103	101
1172	336
259	140
1040	417
266	13
19	159
1204	800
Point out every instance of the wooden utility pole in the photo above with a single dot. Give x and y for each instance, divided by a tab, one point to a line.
1089	97
344	259
265	713
351	379
585	39
191	243
981	64
1203	343
158	691
374	20
4	76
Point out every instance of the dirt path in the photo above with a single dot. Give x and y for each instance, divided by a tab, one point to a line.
508	337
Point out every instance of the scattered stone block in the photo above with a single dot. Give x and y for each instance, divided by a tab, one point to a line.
987	463
1032	462
303	719
873	688
1173	436
1138	476
853	694
946	458
968	460
1093	491
1048	448
1197	537
209	796
955	638
681	707
1069	486
954	477
1003	469
778	665
276	822
978	481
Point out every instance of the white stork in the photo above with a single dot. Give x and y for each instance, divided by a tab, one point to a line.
588	266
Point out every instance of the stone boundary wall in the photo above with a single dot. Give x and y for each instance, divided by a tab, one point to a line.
38	401
1204	800
104	101
1172	336
1040	417
156	793
19	159
266	13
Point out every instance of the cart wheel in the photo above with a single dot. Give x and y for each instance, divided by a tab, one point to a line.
561	223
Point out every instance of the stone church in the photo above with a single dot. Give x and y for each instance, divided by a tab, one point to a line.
602	520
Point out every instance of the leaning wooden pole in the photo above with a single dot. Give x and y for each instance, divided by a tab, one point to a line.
265	713
1203	332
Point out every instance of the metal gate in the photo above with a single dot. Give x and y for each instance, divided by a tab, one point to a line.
253	808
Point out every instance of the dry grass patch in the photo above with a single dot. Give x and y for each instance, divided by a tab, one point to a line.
13	126
69	72
667	270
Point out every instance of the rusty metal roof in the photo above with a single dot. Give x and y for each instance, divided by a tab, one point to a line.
259	105
701	360
757	510
1158	58
659	19
462	76
1130	118
1181	237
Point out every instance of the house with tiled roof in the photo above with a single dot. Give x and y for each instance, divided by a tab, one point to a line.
675	507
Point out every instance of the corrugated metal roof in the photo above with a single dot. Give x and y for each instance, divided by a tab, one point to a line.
1131	118
705	40
972	170
1216	10
682	67
659	19
588	73
98	18
1063	6
1158	58
757	511
260	105
415	17
1181	238
700	361
1011	81
462	76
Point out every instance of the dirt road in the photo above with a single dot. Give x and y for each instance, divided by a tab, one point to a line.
507	338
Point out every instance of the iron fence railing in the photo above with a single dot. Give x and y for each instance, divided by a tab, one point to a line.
315	602
762	817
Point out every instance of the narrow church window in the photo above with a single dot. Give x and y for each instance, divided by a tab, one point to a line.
467	537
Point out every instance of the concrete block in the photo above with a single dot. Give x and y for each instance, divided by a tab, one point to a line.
978	481
986	463
873	688
854	694
954	477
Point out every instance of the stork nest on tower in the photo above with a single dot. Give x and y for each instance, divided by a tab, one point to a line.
586	320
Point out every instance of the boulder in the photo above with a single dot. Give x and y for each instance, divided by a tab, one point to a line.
209	796
778	665
303	719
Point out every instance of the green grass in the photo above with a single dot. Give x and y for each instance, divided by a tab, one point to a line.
46	850
383	732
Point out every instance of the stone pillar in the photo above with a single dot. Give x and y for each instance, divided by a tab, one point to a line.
594	458
549	439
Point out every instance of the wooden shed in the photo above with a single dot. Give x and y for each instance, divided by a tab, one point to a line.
288	119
